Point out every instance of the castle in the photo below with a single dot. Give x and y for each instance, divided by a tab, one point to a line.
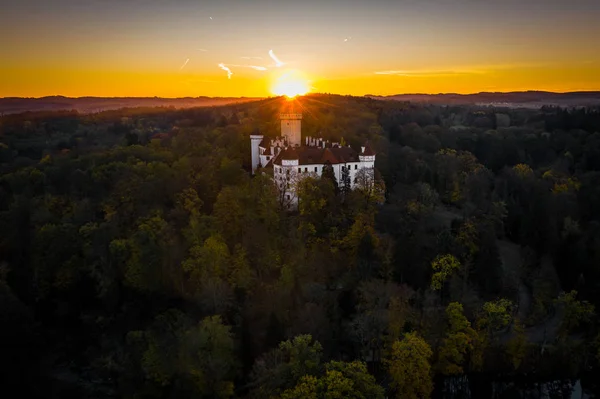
291	161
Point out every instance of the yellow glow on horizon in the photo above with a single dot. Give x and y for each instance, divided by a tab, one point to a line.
291	84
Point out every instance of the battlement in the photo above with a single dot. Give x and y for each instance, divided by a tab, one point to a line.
290	116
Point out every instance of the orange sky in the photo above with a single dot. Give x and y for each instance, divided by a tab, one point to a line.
173	49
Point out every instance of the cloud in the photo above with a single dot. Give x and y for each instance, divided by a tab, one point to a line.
202	49
274	57
426	73
223	67
251	58
256	67
348	38
184	64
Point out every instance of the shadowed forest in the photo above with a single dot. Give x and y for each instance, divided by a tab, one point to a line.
139	258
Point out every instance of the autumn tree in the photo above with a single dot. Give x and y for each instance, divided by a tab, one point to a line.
341	380
409	367
443	267
459	343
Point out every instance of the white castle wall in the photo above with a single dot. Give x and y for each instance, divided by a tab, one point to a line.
255	140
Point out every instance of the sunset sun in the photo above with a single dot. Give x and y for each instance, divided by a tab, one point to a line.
291	84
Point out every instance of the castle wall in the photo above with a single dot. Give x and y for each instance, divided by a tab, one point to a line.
255	140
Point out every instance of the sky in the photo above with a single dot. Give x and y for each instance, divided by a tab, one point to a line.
180	48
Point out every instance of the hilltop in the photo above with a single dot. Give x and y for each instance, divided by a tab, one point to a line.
12	105
515	99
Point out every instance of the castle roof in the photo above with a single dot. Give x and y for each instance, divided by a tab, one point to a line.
264	143
288	154
317	155
368	150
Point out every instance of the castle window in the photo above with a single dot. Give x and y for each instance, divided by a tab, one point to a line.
306	169
288	197
315	168
355	166
288	171
299	170
268	158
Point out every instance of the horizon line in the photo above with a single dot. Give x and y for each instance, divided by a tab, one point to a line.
308	94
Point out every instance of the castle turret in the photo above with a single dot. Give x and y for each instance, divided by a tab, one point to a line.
255	140
367	156
291	127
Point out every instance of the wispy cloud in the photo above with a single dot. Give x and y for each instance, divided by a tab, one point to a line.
184	64
251	58
202	49
426	73
256	67
278	63
226	69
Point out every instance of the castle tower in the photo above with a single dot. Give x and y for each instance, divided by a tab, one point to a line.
255	140
291	127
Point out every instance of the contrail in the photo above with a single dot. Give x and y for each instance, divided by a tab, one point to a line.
184	64
223	67
274	57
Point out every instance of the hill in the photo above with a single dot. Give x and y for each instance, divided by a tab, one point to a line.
516	99
11	105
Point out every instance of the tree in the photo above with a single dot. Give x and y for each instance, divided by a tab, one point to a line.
208	358
283	367
575	312
345	180
460	341
409	367
496	315
443	267
193	359
516	348
329	174
341	380
370	187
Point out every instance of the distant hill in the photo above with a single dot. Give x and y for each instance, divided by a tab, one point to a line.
11	105
527	99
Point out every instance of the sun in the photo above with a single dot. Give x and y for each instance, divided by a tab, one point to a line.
291	84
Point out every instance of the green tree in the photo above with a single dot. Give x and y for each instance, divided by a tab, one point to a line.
575	312
329	174
283	367
208	358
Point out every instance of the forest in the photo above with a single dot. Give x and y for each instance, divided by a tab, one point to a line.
139	258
